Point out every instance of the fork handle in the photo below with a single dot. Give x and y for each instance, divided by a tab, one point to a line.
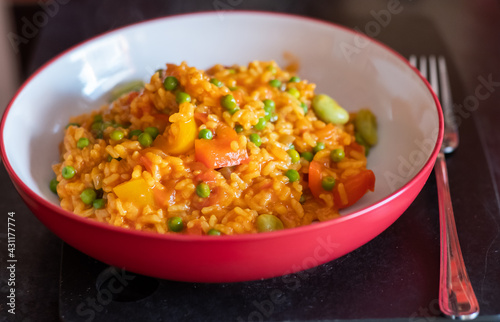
456	296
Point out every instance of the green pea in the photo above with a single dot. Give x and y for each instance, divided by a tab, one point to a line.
269	108
68	172
293	175
328	110
255	138
175	224
216	82
228	102
319	146
337	155
328	183
153	131
203	190
134	133
96	126
267	222
231	71
304	107
145	139
271	68
88	196
274	118
309	156
117	135
182	97
214	232
270	104
99	203
238	128
53	185
205	134
294	92
233	88
261	124
365	124
275	83
82	143
170	83
294	79
294	155
72	124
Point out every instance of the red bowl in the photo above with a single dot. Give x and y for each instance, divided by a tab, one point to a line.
352	68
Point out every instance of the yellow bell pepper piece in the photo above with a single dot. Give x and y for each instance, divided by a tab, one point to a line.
136	191
179	138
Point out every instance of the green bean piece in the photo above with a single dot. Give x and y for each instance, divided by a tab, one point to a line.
328	110
365	124
267	222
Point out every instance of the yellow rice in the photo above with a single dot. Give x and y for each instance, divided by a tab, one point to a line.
243	192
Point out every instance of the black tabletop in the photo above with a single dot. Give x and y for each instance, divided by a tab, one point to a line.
393	277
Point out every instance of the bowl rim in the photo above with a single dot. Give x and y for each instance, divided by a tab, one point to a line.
226	238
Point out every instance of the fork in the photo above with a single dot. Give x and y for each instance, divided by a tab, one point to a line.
456	296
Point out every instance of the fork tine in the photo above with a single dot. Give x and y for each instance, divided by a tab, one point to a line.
413	60
423	66
434	75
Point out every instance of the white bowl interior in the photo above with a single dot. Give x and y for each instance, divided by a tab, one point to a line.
355	71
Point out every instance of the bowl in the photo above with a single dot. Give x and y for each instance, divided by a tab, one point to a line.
357	71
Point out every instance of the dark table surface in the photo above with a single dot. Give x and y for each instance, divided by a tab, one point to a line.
395	276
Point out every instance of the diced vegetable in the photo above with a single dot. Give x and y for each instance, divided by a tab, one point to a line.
136	191
218	153
179	140
355	187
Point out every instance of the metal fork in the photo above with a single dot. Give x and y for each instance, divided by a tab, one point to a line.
456	296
